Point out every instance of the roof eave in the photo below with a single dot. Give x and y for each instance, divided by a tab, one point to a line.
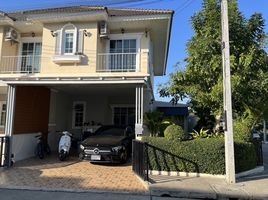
168	42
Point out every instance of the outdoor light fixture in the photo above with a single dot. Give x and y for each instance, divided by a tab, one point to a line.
86	33
53	33
33	34
122	30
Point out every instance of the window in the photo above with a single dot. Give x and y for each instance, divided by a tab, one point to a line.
68	42
30	57
79	111
123	55
124	116
69	45
3	108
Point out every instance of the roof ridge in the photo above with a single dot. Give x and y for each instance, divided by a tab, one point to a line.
99	7
57	8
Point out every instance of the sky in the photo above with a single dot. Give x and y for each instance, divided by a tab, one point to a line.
181	28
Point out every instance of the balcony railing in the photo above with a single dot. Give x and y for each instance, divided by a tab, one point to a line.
118	62
20	64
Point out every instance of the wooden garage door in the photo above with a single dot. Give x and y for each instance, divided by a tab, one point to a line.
31	109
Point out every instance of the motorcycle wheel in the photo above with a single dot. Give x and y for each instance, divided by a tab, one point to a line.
39	151
48	151
62	155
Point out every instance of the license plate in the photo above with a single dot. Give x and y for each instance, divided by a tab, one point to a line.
95	157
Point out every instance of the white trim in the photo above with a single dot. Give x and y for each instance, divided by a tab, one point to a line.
139	18
167	45
63	30
73	114
74	41
41	82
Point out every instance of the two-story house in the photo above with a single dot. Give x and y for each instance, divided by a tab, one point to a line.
62	67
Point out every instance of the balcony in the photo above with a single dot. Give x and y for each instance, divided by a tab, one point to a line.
118	62
28	64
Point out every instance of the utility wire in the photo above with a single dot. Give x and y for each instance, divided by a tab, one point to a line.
183	6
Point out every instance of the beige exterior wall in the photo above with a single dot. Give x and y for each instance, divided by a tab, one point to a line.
92	45
88	64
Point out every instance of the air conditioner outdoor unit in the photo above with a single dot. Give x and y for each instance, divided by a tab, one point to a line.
11	35
104	31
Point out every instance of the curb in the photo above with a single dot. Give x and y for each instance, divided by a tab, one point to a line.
185	174
44	189
256	170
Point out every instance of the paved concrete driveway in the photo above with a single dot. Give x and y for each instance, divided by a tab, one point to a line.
71	175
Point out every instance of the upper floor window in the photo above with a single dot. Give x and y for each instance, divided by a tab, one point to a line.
69	40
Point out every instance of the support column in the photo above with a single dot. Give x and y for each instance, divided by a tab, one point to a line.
139	111
11	93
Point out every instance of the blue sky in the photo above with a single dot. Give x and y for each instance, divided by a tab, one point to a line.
181	30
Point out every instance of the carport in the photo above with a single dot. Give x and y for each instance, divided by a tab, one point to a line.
48	108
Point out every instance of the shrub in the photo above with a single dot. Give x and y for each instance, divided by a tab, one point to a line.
153	121
242	131
202	155
175	132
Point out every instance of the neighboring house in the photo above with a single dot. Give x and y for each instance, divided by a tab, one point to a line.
62	67
178	112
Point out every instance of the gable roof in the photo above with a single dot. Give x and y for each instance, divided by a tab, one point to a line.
112	12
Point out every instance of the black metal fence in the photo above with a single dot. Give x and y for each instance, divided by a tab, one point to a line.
259	154
140	163
4	151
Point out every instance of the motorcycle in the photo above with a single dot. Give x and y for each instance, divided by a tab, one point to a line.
42	147
64	145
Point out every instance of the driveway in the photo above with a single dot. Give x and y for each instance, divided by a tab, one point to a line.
71	175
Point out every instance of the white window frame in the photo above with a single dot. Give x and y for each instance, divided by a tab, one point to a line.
1	106
66	29
64	42
73	114
128	36
27	40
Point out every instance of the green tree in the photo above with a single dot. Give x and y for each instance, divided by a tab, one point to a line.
201	80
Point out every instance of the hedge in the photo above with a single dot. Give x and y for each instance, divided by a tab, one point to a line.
199	155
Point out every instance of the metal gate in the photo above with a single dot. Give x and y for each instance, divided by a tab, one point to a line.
140	159
4	151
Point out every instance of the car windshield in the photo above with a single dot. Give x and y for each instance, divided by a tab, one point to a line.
111	132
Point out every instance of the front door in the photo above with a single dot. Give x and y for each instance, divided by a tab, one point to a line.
30	57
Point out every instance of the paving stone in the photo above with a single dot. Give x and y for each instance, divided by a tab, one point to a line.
51	173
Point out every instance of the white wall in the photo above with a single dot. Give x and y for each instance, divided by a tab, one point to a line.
23	146
59	117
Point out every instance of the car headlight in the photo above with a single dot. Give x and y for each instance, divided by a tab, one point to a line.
82	147
118	148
